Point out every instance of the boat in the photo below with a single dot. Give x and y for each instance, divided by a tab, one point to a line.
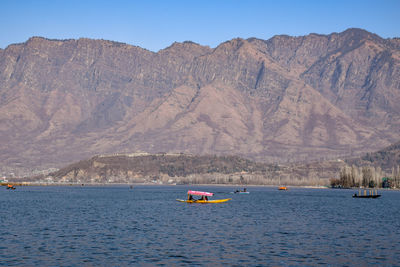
244	191
365	195
10	186
368	196
283	188
204	198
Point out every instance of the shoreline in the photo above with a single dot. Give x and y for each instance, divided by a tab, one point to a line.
150	184
133	185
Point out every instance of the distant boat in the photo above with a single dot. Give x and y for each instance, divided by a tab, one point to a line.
367	195
281	187
203	199
10	186
244	191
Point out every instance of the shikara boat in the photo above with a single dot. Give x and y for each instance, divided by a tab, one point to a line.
371	194
204	198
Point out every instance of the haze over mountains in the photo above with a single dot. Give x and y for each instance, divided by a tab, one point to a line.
277	100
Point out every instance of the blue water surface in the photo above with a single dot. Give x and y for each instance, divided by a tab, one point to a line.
119	226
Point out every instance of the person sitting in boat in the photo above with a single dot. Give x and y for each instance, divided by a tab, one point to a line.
244	190
190	197
205	198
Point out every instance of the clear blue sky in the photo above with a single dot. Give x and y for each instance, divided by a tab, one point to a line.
157	24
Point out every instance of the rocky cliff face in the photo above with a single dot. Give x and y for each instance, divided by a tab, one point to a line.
286	98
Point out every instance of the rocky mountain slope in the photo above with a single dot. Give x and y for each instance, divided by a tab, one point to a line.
387	159
277	100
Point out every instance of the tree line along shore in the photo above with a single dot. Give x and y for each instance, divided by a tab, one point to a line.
167	168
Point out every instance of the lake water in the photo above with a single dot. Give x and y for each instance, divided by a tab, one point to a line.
119	226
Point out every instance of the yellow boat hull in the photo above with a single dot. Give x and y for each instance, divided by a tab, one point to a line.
205	201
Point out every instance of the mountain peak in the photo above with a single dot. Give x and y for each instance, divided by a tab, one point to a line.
182	45
186	49
359	35
232	45
40	39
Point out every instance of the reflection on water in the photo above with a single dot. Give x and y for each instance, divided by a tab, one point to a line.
59	226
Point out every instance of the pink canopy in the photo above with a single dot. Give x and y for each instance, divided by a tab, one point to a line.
199	193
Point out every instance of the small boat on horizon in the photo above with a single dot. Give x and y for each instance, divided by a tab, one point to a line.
282	188
367	195
244	191
10	186
204	198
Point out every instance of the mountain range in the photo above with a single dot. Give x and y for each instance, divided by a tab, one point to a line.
285	99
